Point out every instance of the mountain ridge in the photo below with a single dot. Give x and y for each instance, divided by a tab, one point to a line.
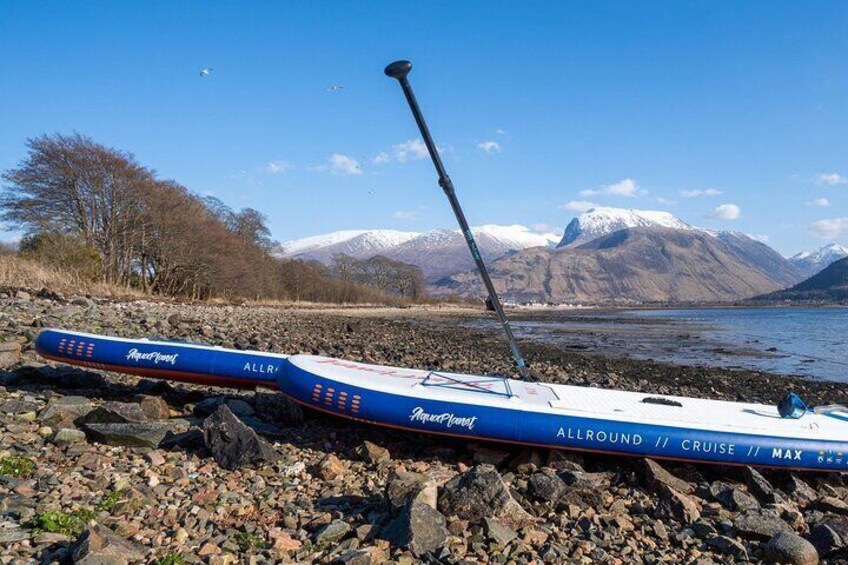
829	285
603	220
812	262
438	252
637	265
615	248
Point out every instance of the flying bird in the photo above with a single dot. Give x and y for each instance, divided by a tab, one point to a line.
206	71
335	88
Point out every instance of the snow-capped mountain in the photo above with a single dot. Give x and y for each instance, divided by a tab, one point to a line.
636	264
516	236
601	221
361	244
438	252
813	262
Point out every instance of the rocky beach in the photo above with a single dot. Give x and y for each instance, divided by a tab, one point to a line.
97	467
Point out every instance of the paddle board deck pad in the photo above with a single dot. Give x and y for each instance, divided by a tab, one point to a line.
486	407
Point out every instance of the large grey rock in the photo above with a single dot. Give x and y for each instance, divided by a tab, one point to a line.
276	408
479	493
676	505
825	539
232	443
419	528
146	434
498	533
800	491
153	407
116	412
728	546
65	411
790	548
760	524
760	487
100	546
732	497
656	476
404	485
333	532
547	485
354	557
67	436
19	406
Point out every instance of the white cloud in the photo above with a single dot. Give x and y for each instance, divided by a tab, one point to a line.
726	212
666	201
830	229
489	146
501	132
277	167
382	158
818	202
579	205
339	164
626	187
413	149
831	179
762	238
697	193
409	150
405	215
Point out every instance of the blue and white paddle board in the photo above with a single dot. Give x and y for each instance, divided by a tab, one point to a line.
486	407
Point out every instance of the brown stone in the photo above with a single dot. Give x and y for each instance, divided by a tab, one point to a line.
330	468
10	354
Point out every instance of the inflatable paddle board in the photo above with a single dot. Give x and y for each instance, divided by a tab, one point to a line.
487	407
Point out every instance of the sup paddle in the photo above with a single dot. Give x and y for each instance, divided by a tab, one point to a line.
399	70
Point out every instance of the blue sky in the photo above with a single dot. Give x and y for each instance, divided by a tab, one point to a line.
730	115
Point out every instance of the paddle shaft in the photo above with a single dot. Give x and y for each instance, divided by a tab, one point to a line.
398	70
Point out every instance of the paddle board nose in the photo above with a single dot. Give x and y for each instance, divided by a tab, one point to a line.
174	361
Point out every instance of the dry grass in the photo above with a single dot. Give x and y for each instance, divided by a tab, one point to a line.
22	273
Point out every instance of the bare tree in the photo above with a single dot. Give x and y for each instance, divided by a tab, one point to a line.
72	185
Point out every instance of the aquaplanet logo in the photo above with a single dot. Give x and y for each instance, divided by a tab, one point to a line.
446	419
154	356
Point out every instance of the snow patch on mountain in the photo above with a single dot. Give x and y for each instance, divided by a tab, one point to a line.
376	240
516	236
813	262
601	221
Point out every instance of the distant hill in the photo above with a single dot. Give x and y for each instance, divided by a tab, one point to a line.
361	244
640	264
812	262
438	253
830	285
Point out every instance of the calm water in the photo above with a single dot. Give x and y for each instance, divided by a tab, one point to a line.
809	342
